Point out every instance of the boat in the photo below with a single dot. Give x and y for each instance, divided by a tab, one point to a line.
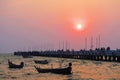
27	56
12	65
41	61
65	71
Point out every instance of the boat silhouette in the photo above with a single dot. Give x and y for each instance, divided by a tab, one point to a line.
41	61
67	70
12	65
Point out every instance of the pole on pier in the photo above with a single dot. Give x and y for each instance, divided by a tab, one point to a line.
63	45
96	42
59	45
85	43
91	42
69	45
66	45
99	42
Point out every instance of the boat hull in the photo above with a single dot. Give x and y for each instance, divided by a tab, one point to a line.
57	70
41	62
12	65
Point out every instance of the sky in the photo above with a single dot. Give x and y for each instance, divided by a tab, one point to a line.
44	24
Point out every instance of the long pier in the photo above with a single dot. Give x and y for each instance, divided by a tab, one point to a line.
97	54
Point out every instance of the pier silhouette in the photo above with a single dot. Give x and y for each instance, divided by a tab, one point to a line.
101	54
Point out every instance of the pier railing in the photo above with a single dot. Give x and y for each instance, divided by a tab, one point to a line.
97	55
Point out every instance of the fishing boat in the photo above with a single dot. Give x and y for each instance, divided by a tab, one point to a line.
41	61
27	56
12	65
66	71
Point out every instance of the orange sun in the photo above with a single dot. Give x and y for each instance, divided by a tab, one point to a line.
79	27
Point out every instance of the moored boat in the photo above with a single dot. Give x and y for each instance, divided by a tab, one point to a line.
66	71
27	56
41	61
12	65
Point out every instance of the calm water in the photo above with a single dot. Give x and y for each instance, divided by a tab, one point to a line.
82	69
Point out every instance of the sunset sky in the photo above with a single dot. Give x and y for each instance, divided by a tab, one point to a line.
42	24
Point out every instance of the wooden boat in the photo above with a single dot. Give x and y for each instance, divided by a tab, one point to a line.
41	61
27	56
12	65
56	70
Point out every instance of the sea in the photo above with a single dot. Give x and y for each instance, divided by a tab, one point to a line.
81	69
